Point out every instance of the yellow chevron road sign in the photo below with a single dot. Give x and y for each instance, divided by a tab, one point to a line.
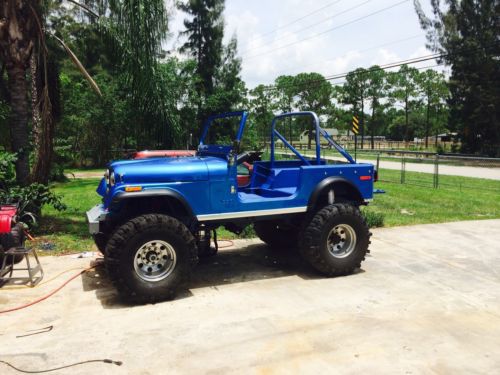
355	125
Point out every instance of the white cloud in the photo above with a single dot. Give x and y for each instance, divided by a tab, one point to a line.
384	56
419	52
263	27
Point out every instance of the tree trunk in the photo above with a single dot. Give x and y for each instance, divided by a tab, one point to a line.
407	130
362	121
372	127
427	122
19	121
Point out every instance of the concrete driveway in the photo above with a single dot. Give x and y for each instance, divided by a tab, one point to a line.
426	301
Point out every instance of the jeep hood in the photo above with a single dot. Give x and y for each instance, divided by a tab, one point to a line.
160	170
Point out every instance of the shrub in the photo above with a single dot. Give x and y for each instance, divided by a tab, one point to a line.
29	199
7	170
373	219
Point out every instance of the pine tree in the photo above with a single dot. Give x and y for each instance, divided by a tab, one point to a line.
204	32
467	33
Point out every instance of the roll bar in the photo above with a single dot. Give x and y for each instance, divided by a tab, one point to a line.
275	133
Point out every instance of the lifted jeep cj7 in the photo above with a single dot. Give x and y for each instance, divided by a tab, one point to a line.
157	214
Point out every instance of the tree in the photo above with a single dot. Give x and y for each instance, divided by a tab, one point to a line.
435	91
467	33
284	94
314	93
404	89
354	93
204	31
135	28
229	91
376	91
262	107
18	32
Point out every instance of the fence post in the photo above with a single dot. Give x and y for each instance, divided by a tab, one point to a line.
378	161
436	172
403	168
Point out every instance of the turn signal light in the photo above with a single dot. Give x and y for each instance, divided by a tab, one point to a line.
133	188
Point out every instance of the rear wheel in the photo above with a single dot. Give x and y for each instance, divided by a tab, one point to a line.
336	240
276	234
150	257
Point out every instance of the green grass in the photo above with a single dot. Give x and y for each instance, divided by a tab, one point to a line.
454	183
401	205
458	198
67	231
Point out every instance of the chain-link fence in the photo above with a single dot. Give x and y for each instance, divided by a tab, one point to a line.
435	171
424	169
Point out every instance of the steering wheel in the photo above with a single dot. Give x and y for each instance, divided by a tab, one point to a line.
248	156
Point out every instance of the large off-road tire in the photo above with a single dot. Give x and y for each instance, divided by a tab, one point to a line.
336	240
276	234
150	257
101	240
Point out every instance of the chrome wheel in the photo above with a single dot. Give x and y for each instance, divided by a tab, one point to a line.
341	241
155	260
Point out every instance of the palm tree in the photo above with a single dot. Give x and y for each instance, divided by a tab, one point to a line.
135	29
18	32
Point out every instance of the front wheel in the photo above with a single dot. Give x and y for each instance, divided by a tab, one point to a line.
150	257
336	240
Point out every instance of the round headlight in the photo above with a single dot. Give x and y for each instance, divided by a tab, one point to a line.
112	179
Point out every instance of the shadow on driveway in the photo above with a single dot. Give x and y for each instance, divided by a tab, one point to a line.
235	265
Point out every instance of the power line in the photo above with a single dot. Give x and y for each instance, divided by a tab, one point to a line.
330	30
365	71
312	25
390	65
381	67
301	18
364	50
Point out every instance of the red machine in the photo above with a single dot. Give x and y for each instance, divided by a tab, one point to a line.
161	154
12	250
7	217
11	233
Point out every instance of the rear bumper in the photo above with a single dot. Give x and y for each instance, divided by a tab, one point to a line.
94	217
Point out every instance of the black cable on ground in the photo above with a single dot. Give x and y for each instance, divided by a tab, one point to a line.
109	361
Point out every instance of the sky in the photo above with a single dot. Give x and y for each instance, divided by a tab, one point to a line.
277	37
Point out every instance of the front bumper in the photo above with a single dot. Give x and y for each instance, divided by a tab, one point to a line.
94	216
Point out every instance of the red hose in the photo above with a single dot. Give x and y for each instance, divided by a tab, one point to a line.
49	294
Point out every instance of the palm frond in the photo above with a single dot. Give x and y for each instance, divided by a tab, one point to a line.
79	65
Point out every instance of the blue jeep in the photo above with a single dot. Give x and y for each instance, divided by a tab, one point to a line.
157	214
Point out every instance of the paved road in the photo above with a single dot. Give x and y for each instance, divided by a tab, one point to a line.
426	301
84	174
449	170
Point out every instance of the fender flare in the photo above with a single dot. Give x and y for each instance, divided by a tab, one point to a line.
327	184
149	193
